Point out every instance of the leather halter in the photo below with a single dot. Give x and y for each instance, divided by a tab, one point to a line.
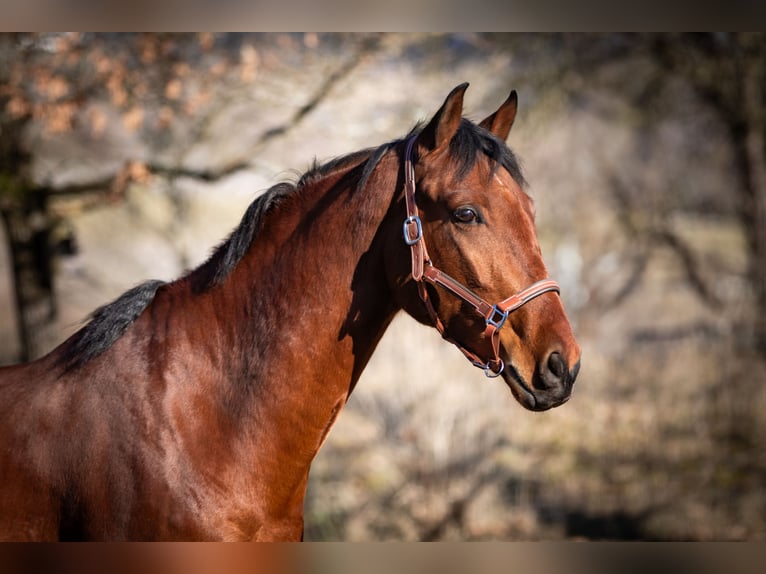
423	270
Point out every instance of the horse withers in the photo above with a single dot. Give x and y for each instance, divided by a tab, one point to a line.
193	409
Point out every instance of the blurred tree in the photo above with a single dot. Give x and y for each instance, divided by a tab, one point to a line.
52	80
164	89
728	73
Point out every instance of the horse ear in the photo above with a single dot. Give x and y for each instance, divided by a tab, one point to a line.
445	122
501	121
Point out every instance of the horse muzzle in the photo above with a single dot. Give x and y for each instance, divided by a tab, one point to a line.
551	383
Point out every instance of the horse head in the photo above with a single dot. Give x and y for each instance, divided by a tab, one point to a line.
481	280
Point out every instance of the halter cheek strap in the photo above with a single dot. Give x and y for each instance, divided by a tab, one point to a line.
424	271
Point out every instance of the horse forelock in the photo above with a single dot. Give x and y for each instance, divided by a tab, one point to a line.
471	142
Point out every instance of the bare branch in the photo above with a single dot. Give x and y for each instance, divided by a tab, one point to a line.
690	264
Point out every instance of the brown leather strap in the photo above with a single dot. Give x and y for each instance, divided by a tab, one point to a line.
423	270
413	227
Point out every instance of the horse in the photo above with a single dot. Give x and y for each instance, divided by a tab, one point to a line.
192	409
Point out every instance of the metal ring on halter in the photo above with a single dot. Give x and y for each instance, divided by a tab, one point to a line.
490	374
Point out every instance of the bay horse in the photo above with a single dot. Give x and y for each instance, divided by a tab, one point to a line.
193	409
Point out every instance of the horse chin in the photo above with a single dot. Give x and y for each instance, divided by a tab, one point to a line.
532	399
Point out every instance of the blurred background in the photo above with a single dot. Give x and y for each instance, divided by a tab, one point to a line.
129	157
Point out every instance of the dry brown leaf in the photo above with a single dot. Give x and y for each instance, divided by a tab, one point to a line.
17	107
133	118
98	121
173	89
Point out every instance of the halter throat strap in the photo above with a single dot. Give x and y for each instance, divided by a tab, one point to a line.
424	271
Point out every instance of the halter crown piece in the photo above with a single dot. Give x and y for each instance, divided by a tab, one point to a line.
424	271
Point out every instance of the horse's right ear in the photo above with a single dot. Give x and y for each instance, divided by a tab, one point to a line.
445	122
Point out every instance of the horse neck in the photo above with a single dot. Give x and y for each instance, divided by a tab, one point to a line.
302	312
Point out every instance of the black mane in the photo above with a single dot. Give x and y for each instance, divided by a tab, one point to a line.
226	256
108	323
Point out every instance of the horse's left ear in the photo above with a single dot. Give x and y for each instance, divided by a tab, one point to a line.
445	122
501	121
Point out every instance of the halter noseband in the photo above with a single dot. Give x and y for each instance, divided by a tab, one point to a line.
423	271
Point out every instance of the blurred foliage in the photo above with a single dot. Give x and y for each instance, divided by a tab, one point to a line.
52	77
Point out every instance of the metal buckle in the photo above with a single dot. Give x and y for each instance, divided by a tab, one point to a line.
418	228
497	324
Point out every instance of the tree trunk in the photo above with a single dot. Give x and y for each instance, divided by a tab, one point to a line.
28	235
751	153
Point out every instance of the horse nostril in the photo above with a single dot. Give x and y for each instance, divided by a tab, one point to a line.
557	366
554	374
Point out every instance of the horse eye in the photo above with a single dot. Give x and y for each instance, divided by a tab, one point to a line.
465	215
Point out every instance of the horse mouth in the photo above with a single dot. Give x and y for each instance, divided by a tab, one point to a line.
534	399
